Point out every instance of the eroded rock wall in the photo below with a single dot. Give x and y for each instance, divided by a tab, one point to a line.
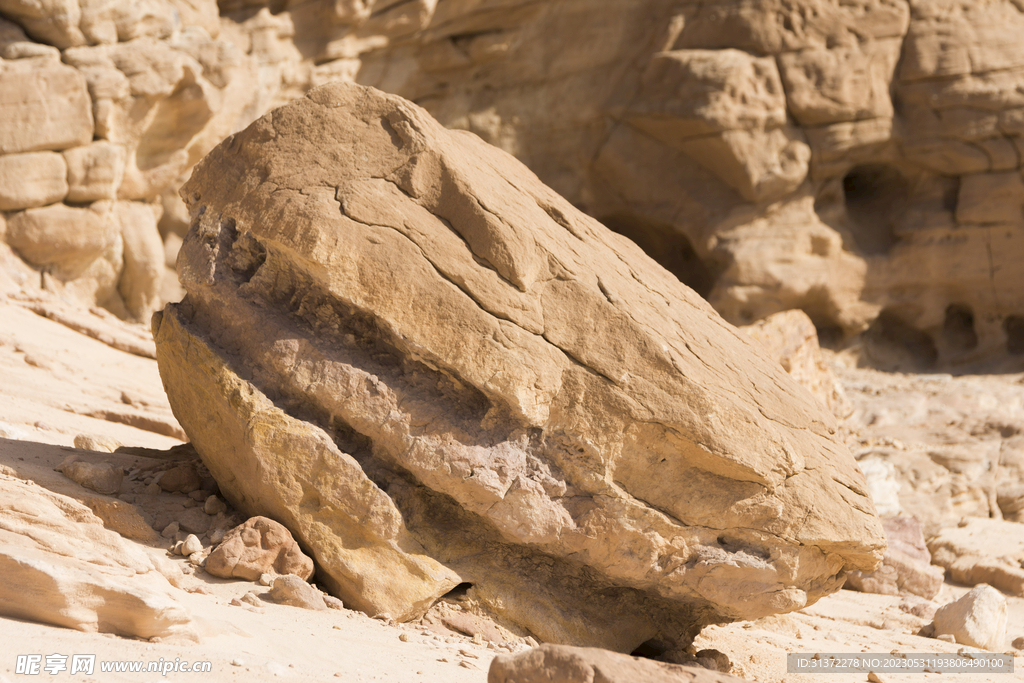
104	109
859	160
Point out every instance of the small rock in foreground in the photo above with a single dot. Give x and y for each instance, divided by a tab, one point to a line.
258	546
586	665
977	619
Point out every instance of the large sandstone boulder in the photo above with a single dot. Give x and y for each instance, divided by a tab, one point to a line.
434	370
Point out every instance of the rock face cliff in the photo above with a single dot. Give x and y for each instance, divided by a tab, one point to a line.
859	160
104	108
434	370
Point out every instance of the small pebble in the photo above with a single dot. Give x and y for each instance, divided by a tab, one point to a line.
191	545
404	637
237	662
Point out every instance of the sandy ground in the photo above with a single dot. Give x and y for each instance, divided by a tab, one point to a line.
58	383
279	644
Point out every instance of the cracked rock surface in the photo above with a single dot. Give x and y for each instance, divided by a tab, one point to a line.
435	371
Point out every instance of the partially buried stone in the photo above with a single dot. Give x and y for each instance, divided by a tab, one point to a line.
195	521
252	599
180	479
59	565
103	444
100	477
291	590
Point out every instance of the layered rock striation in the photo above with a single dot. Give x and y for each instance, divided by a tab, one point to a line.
435	371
